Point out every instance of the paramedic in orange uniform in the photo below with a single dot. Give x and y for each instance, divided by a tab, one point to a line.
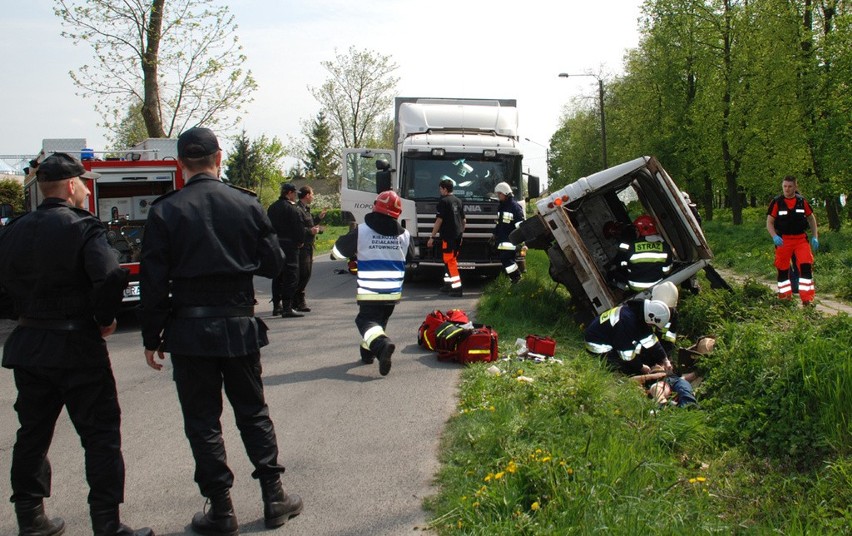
787	221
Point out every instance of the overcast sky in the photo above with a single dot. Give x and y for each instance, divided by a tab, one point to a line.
444	48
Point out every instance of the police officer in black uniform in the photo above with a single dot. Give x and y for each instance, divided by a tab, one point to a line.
311	223
61	280
286	219
204	244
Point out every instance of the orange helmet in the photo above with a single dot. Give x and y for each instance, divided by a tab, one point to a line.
388	202
645	225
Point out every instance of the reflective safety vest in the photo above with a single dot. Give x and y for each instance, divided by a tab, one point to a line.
645	262
510	214
381	265
790	221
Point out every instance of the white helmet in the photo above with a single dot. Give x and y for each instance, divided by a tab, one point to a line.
666	293
503	188
657	313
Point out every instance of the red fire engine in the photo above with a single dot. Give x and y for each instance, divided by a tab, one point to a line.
130	181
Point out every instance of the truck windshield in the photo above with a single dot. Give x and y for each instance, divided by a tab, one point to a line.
475	177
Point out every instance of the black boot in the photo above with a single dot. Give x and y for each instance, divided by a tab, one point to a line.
105	522
219	520
33	522
276	308
383	348
278	507
366	356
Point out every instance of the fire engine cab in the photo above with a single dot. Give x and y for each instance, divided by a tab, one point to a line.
130	181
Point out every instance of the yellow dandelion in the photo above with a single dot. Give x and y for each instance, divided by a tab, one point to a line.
459	524
488	477
464	498
535	506
692	481
701	479
492	408
545	459
520	372
570	471
476	504
511	467
499	475
538	451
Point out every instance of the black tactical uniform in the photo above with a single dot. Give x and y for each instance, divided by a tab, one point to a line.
306	256
286	219
62	282
205	243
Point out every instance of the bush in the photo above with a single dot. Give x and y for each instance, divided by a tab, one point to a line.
12	193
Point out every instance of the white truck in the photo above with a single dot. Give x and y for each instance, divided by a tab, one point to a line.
572	227
474	142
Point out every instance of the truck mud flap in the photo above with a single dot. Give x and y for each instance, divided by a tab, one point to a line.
716	280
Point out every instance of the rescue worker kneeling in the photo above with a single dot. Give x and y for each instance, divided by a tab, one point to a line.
381	245
625	335
642	263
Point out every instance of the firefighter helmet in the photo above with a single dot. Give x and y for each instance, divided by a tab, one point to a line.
503	188
645	225
657	313
666	293
389	203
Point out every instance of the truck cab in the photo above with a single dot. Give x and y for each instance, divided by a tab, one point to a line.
473	142
573	226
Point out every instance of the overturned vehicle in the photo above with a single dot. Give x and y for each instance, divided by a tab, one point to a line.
580	227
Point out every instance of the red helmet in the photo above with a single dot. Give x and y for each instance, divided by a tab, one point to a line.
645	225
388	202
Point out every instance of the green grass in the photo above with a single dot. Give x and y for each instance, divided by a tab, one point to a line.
581	450
748	250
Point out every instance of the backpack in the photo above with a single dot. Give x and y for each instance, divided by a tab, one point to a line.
477	344
426	332
447	338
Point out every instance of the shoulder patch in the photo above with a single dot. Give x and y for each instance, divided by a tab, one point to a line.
165	195
243	190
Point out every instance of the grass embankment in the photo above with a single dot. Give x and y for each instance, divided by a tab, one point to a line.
581	450
748	250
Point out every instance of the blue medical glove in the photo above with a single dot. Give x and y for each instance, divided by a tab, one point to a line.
815	243
778	240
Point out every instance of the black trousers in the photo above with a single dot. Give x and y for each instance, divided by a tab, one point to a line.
89	395
306	266
371	315
199	382
285	284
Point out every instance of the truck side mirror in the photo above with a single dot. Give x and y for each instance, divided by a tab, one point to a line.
533	187
383	176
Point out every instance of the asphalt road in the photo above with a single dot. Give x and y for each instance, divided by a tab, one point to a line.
361	449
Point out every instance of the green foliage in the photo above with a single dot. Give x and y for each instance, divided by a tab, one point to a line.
578	449
181	59
12	193
256	165
130	130
359	91
730	97
748	250
320	161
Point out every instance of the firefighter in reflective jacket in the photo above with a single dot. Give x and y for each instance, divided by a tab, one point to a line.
625	335
788	217
642	263
381	245
510	214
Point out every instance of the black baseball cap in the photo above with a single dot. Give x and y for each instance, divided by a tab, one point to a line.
288	187
61	166
197	142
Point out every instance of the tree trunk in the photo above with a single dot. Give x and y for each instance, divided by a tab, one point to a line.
707	197
150	61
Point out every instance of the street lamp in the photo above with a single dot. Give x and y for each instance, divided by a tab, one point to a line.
603	117
546	150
